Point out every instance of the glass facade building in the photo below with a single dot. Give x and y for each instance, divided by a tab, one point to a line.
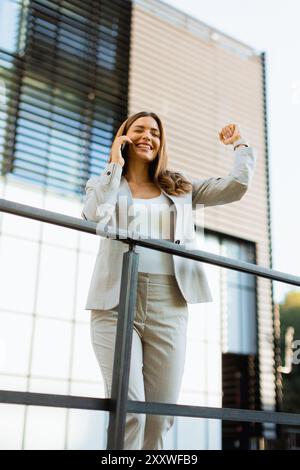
69	76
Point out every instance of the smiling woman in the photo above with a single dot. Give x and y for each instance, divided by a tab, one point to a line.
166	283
146	168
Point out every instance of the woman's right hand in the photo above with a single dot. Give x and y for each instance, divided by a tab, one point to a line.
116	152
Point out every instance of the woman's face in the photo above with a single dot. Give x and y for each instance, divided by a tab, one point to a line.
145	135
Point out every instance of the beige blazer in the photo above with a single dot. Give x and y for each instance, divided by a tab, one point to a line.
108	194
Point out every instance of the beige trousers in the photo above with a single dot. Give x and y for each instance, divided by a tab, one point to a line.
157	355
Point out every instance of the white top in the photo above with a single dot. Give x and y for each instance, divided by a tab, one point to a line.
153	218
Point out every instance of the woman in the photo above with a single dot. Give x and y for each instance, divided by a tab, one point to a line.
137	173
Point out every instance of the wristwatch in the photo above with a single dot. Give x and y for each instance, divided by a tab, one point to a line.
240	141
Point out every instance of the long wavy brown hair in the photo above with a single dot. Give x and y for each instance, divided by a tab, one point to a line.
172	182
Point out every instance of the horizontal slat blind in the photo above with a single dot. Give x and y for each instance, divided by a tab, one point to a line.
66	90
205	81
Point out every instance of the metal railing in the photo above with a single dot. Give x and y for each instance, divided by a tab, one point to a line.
118	405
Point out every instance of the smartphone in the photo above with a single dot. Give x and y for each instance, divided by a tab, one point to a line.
123	146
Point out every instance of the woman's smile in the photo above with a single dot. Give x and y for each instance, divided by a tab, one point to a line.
144	147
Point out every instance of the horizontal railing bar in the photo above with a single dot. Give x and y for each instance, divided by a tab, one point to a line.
75	223
226	414
105	404
57	401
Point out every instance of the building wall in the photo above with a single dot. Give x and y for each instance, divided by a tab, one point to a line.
63	94
45	342
198	80
197	85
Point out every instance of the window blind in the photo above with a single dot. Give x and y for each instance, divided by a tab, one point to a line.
66	82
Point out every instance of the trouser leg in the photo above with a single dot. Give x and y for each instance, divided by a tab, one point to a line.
164	348
103	334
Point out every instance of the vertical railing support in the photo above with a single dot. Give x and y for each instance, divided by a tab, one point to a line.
121	367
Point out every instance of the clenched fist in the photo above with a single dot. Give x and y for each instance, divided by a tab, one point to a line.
229	134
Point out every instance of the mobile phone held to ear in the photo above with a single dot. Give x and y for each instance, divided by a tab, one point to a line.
123	146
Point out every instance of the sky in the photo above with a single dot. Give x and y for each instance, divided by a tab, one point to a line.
271	26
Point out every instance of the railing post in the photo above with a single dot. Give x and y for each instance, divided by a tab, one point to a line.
121	367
